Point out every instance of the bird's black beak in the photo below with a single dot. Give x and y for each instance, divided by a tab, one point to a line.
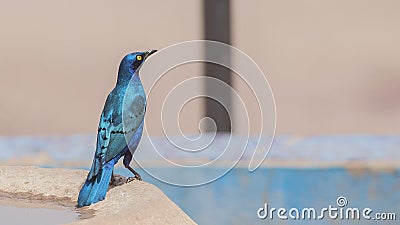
150	53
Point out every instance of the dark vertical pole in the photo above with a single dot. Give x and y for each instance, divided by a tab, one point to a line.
217	28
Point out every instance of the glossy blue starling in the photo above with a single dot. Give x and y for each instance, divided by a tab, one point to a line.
120	129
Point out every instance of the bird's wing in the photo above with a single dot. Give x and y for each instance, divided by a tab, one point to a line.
126	125
115	130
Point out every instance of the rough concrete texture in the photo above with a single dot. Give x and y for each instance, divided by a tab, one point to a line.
134	203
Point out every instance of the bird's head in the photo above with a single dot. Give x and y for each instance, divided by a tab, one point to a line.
131	64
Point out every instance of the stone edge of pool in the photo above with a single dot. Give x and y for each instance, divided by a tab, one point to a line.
137	202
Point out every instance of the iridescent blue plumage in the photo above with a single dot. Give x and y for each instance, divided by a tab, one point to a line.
121	122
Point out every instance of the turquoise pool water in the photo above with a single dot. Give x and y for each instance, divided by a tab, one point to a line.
236	197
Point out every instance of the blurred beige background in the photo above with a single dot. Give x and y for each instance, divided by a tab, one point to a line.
333	65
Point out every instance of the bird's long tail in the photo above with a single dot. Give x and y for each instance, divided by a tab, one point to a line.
95	189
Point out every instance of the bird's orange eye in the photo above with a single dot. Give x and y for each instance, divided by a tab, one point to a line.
139	57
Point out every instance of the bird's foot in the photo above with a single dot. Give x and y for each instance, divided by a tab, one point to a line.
130	179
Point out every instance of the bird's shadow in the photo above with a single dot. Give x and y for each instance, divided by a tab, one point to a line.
118	180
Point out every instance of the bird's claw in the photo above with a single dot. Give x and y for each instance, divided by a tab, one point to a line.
130	179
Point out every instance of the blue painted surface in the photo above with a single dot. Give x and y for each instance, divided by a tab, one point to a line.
235	198
323	149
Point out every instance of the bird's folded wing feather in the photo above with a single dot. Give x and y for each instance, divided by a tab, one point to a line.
115	130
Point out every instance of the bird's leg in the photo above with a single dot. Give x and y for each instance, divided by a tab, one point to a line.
127	160
137	176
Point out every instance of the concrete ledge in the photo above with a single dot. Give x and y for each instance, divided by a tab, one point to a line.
134	203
